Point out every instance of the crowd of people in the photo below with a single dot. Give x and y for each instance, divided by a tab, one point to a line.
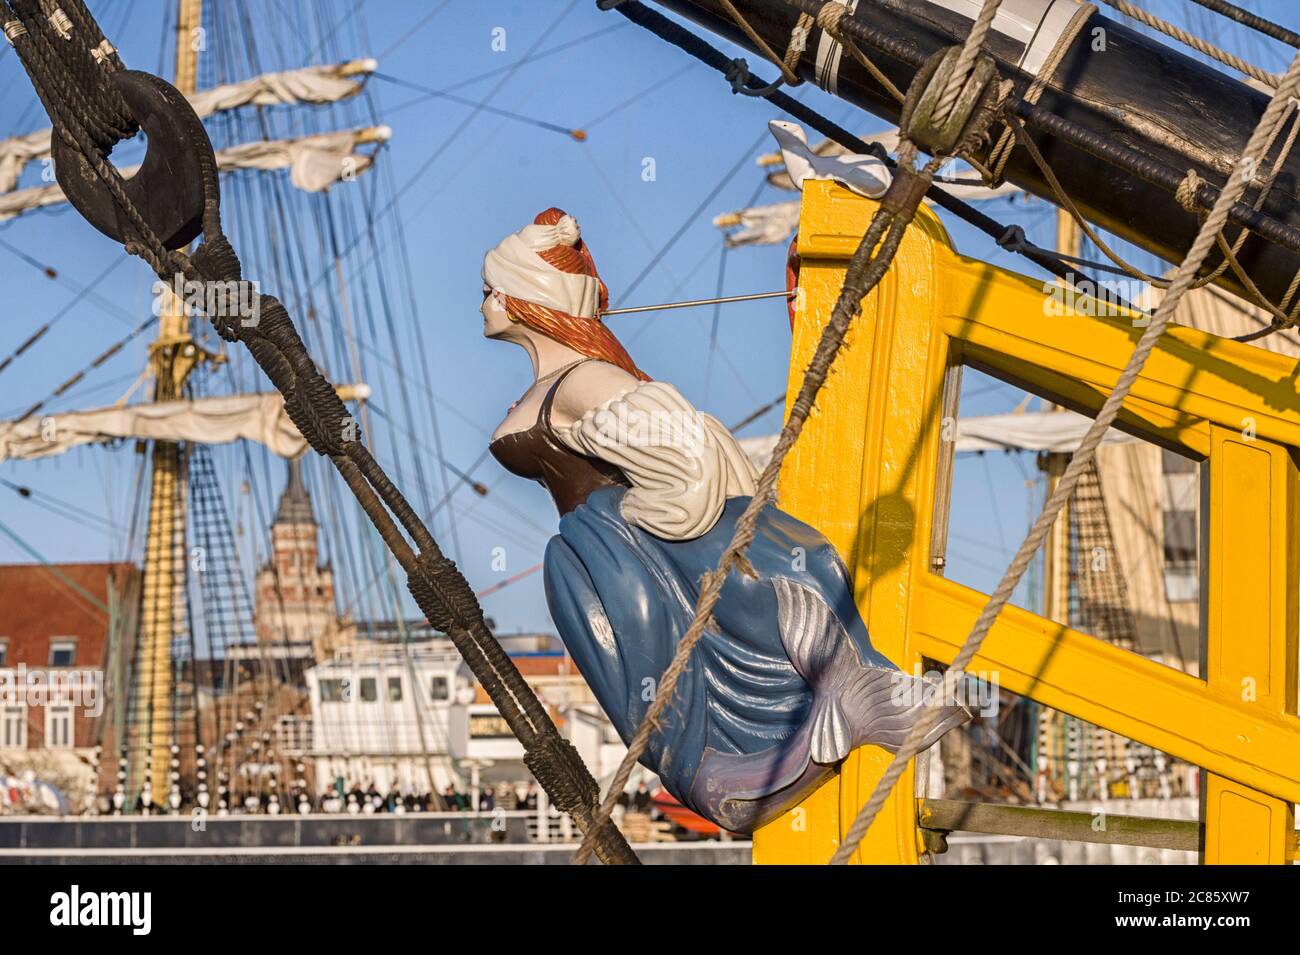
337	798
340	798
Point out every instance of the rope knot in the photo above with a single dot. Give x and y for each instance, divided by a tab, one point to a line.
830	15
940	132
1186	191
1013	239
737	74
60	23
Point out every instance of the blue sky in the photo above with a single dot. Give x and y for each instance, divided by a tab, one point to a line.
465	179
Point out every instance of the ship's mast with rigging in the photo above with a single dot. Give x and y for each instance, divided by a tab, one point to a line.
172	357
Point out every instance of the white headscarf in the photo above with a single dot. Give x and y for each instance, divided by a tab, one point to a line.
515	268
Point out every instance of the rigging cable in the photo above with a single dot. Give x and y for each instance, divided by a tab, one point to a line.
1196	43
757	413
977	80
84	292
695	214
1184	277
1008	237
96	362
1254	21
576	133
89	117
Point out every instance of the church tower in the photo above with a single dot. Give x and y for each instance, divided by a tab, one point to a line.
295	616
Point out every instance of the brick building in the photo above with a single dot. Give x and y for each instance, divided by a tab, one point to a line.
54	639
295	614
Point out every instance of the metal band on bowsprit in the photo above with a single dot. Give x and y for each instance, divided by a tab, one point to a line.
829	53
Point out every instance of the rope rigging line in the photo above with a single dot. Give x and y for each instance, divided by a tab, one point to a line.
79	92
539	55
62	508
973	104
1184	276
1008	237
1192	40
1254	21
430	93
1138	164
786	64
828	18
1002	151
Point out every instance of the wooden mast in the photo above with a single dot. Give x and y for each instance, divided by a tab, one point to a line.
172	357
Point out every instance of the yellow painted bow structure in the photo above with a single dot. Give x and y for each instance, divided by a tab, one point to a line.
872	472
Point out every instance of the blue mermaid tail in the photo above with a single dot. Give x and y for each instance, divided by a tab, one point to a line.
785	687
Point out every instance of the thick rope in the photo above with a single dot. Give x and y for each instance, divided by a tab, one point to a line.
1006	143
828	18
1193	41
787	63
1184	276
864	272
970	51
439	589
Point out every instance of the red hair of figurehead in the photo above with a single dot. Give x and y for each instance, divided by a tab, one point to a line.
587	336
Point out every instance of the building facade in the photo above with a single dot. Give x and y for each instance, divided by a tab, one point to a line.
55	666
295	614
411	716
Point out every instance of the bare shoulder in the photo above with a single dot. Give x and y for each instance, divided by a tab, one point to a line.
589	386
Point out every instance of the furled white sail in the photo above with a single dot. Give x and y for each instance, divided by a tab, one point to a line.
314	162
760	225
1057	431
311	84
13	204
17	151
220	420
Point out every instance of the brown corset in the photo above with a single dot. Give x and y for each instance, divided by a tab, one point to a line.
537	454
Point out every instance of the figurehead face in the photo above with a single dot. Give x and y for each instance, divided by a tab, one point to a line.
543	278
497	322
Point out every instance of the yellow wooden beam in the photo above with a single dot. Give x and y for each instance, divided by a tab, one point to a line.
1251	639
865	474
1116	689
862	473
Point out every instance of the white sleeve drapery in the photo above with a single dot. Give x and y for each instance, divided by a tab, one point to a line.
682	464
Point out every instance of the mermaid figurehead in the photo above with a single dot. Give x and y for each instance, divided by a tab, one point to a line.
786	683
